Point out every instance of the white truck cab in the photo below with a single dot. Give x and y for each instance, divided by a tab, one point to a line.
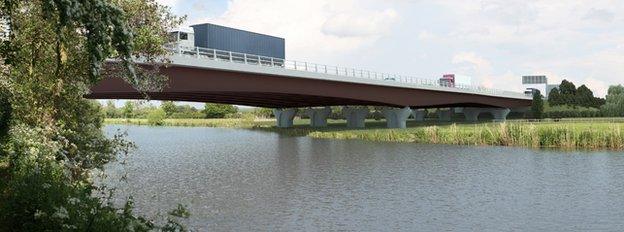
184	37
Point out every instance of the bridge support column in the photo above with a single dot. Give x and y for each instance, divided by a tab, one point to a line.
419	114
396	117
444	115
355	116
472	114
500	115
318	117
284	117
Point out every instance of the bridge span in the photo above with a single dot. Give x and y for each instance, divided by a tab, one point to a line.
209	75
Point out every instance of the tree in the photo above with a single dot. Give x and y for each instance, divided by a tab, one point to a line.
213	110
537	107
128	109
567	88
55	50
584	97
156	117
554	97
169	108
614	106
110	110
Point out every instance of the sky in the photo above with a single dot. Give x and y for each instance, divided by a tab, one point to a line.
493	41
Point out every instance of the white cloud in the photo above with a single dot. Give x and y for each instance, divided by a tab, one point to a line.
476	66
312	28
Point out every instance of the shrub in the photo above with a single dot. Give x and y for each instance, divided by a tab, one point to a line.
156	117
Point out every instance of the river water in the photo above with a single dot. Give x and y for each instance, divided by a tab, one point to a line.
242	180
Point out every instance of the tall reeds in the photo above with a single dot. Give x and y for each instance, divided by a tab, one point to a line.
564	136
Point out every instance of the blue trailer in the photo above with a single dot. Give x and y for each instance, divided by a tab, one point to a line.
230	39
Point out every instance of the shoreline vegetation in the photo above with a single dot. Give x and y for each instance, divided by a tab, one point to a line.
591	134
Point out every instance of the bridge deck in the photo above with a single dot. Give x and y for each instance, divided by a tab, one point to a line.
207	75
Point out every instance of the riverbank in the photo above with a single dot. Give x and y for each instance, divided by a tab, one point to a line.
562	135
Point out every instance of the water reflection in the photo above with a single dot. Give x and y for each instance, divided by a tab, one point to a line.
240	180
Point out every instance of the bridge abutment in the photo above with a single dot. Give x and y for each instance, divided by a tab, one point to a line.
356	117
419	114
444	115
318	116
284	117
396	117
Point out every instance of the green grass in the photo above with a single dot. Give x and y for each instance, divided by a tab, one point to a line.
564	135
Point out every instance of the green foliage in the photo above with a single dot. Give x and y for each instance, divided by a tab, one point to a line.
537	107
110	111
263	112
127	111
614	106
568	94
56	50
169	108
567	88
213	110
156	117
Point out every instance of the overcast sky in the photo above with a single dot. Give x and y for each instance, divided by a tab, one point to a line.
494	41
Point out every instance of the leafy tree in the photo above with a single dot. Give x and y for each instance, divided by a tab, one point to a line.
55	50
169	108
537	107
213	110
614	106
567	94
554	97
584	97
567	88
128	109
156	117
110	110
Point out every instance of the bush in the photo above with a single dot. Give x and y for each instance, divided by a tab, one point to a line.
213	110
156	117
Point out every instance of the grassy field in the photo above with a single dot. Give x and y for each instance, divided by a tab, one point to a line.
565	134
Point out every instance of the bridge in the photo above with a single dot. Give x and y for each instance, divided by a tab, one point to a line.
209	75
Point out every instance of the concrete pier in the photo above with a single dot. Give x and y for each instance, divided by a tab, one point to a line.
472	113
396	117
355	116
500	115
419	114
284	117
318	116
444	114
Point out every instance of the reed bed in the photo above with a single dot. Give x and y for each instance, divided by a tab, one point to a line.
563	136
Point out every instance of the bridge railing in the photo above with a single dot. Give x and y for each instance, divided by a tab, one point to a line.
236	57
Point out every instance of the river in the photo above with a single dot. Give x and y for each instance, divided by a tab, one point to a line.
243	180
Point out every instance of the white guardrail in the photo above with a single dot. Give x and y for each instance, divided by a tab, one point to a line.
228	56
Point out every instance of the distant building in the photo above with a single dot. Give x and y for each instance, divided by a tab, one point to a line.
537	82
